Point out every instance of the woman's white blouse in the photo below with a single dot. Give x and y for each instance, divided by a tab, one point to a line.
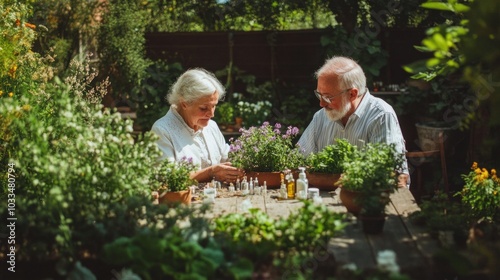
177	140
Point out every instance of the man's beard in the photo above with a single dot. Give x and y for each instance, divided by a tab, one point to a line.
335	115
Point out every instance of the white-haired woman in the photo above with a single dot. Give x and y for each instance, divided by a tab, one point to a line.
188	131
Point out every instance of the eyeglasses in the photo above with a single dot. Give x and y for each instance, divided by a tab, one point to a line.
329	98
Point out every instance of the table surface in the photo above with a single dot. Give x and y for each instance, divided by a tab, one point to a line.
413	245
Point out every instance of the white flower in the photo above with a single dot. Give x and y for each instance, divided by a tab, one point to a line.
386	261
246	205
350	266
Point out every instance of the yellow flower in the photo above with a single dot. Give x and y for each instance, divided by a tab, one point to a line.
1	93
26	107
485	174
493	172
11	94
474	166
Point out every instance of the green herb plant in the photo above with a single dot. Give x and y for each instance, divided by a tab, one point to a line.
330	159
173	176
372	171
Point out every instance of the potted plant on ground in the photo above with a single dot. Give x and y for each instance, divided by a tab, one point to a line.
324	168
369	178
171	180
265	151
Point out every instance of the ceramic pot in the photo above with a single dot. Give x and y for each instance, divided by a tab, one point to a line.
323	181
176	197
428	136
372	224
273	179
350	199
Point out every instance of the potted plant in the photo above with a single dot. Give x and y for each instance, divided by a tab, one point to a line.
368	179
324	168
224	115
265	150
171	179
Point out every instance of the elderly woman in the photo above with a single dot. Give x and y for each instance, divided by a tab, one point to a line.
187	131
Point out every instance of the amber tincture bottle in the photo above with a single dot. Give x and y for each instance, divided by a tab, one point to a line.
290	185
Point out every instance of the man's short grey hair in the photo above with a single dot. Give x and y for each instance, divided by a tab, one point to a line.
348	72
194	84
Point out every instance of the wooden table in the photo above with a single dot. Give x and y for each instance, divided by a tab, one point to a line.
412	245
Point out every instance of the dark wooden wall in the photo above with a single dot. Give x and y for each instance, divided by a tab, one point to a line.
287	55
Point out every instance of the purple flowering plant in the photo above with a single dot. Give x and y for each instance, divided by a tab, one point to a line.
266	149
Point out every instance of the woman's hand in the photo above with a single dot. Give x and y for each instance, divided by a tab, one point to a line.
225	172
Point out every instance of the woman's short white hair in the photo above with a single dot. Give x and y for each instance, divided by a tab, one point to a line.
194	84
349	74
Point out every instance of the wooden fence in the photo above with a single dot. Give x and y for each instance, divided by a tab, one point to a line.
290	57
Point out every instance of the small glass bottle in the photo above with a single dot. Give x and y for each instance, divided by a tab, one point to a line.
238	185
244	186
290	185
250	187
283	194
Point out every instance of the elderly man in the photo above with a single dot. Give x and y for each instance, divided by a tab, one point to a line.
350	112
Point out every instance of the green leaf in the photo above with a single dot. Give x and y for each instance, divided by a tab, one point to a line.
422	48
241	269
461	8
437	6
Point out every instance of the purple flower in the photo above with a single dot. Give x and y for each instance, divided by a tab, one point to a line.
277	126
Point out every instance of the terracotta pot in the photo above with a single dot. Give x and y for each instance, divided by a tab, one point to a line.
350	200
372	224
273	179
176	197
323	181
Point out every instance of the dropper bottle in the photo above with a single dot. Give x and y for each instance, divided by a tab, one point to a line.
302	184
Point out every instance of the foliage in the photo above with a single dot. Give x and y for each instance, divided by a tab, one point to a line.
481	192
173	243
253	114
72	157
364	47
286	242
265	149
372	168
149	101
67	28
372	171
173	175
224	114
122	44
330	159
442	214
445	102
466	45
444	42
